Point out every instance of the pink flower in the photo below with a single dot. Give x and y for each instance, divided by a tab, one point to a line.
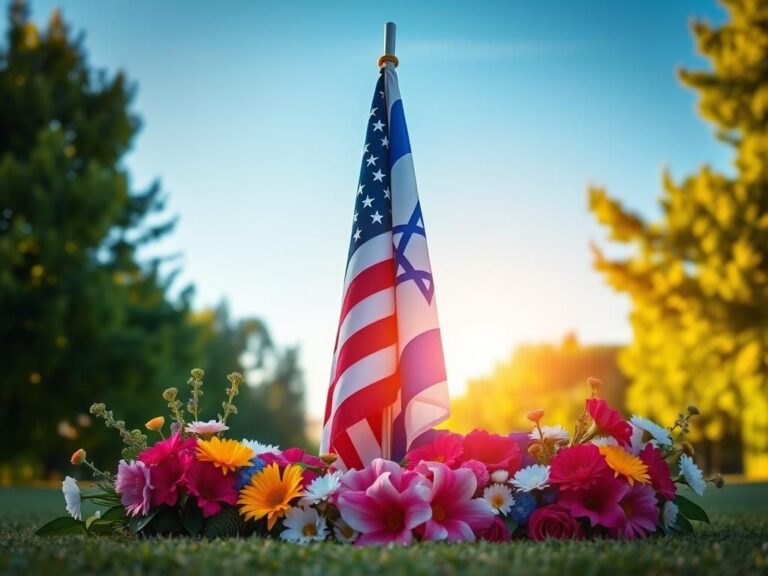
295	456
205	428
553	522
211	487
641	512
577	467
599	503
495	451
456	515
480	471
445	447
496	532
609	421
168	461
134	486
389	510
658	470
361	480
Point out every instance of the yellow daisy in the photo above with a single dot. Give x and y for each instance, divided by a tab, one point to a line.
622	462
225	454
269	495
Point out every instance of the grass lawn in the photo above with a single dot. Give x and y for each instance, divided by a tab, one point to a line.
735	543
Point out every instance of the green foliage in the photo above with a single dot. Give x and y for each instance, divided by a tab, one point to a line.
83	317
698	277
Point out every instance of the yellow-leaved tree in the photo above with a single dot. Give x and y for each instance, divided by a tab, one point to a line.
698	276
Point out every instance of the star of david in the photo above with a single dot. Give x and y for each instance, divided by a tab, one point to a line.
406	271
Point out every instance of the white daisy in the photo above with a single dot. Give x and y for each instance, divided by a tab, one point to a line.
636	442
605	441
533	477
259	448
72	497
692	474
659	434
303	525
499	497
344	533
500	476
205	428
669	515
321	488
554	433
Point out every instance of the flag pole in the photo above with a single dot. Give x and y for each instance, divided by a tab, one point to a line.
386	421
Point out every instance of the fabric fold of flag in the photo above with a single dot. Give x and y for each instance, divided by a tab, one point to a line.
388	382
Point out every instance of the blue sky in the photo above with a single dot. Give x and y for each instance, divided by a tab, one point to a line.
254	117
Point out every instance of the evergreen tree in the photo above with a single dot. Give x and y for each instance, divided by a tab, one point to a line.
698	277
83	319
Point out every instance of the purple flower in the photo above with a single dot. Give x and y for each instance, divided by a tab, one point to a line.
134	486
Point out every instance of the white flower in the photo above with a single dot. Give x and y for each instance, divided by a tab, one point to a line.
205	428
605	441
554	433
321	488
72	497
659	434
259	448
669	515
303	525
344	533
636	443
499	497
533	477
692	474
500	476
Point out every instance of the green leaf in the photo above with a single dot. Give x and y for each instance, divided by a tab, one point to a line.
166	522
690	509
114	514
61	525
225	524
192	517
682	525
138	523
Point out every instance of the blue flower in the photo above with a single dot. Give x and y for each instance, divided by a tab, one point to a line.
525	504
244	474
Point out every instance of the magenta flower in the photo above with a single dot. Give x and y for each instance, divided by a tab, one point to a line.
641	513
168	461
496	532
134	486
456	515
389	510
295	456
165	449
553	523
609	421
480	472
658	470
361	480
599	502
495	451
446	448
210	487
577	467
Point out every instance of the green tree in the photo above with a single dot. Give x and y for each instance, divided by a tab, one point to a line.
83	318
698	276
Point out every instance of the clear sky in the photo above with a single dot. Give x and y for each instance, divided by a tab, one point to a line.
254	118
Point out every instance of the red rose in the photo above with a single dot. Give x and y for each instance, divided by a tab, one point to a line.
496	532
553	522
609	421
495	451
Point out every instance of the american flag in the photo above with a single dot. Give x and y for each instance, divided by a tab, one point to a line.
388	383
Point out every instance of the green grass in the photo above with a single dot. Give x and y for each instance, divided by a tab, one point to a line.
735	543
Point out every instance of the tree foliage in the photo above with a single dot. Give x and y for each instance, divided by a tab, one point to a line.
538	376
698	276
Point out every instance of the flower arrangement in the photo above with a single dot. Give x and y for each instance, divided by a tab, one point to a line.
609	479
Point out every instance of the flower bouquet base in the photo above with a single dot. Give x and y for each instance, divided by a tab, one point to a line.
609	478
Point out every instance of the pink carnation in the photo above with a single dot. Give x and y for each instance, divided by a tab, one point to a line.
211	487
658	470
495	451
577	467
445	447
609	421
134	486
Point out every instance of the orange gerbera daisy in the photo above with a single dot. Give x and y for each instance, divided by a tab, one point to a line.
228	455
270	495
622	462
